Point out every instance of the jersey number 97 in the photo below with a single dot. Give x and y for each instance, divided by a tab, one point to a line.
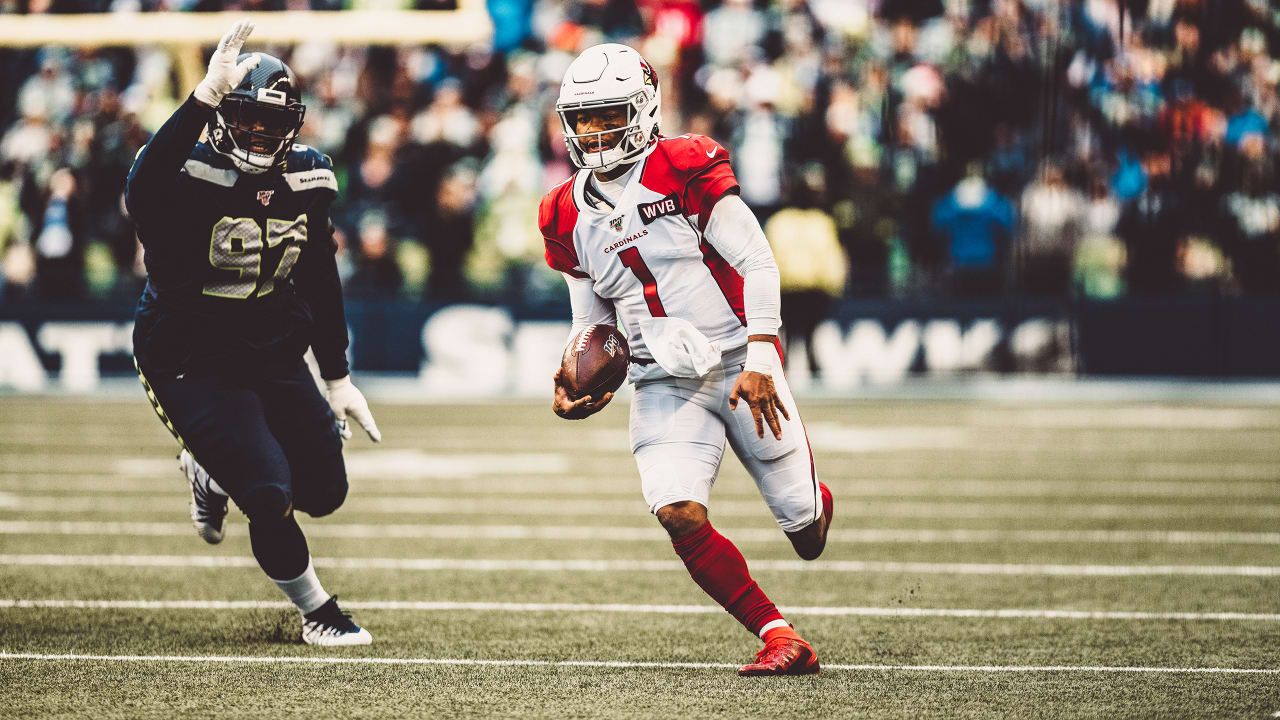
245	257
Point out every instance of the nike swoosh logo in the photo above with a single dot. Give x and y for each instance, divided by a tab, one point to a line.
712	152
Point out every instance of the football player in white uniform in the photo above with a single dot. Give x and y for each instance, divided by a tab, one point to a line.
650	232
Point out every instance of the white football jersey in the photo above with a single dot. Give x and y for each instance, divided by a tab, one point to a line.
648	255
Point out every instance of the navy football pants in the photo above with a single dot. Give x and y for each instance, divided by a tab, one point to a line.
267	437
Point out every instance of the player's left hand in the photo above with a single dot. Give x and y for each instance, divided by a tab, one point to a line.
346	401
762	397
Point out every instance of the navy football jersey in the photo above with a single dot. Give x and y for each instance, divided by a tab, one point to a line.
240	267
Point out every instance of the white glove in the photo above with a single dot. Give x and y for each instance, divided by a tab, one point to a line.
224	74
346	400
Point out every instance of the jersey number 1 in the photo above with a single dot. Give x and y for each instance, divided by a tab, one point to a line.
246	259
631	258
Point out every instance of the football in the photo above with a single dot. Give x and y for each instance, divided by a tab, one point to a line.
595	362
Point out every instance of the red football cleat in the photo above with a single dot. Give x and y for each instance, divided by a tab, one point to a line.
783	655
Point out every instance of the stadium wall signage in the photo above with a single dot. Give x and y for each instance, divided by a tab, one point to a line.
488	350
503	351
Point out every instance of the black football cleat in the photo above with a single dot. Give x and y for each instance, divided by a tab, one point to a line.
328	625
208	508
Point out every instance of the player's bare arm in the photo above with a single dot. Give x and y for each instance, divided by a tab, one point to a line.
757	389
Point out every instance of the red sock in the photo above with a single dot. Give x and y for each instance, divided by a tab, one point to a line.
721	571
828	503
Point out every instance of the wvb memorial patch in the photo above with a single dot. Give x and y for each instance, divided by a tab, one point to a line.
669	205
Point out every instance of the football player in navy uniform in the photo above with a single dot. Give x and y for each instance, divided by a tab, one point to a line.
241	280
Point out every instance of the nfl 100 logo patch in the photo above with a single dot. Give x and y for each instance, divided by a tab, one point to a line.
264	196
616	223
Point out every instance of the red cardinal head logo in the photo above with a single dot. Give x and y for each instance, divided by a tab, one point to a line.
649	78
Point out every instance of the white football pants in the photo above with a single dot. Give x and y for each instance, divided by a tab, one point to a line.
678	430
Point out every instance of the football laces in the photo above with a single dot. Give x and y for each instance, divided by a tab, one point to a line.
584	337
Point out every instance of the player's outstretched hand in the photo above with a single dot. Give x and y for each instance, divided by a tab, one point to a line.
583	407
762	397
224	74
347	401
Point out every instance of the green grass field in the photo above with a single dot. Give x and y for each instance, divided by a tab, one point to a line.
987	560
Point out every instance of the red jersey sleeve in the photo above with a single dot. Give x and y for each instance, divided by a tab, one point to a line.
696	168
556	217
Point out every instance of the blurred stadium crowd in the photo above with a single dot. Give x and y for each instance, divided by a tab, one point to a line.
892	148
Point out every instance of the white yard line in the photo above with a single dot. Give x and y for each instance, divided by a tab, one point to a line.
485	565
620	664
554	467
488	506
1127	418
446	606
388	462
572	533
578	488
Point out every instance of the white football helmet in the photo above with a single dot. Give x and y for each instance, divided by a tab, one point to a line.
603	76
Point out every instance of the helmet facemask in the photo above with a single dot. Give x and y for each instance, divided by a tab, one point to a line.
256	132
632	144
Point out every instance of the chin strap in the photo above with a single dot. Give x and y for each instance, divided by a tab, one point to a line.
248	168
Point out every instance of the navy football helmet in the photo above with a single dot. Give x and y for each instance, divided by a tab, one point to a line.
256	123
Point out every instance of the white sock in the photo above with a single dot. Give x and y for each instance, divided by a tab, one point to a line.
304	591
215	487
772	625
